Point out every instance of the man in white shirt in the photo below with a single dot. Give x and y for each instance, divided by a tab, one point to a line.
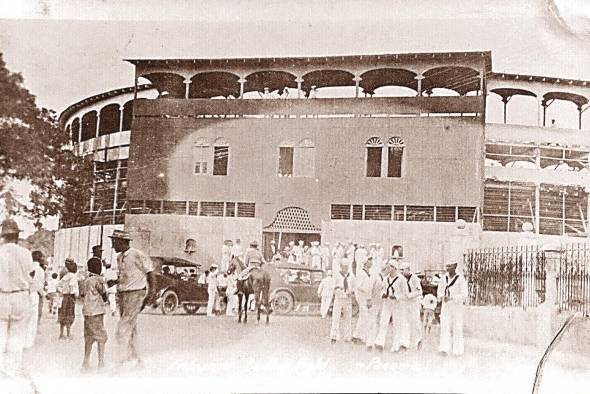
452	291
343	293
326	293
37	290
362	292
374	305
394	294
236	249
16	266
212	290
413	305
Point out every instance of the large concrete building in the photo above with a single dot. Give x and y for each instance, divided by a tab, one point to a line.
393	149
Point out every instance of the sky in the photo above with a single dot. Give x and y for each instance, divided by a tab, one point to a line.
68	50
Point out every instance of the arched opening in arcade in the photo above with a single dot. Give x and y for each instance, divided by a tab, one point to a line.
450	81
564	110
169	85
329	84
271	84
214	84
389	82
110	118
523	108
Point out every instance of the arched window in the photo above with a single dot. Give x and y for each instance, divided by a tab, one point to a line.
201	156
374	148
220	156
395	155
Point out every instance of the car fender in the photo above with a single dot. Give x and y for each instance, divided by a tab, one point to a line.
286	289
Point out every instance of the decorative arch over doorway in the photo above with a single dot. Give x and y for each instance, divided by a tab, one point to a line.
291	224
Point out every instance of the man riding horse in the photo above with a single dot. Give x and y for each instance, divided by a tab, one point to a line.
253	279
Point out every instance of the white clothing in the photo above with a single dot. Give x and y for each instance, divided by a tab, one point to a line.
343	293
451	315
429	302
363	288
52	285
226	252
211	292
316	258
236	250
326	293
396	292
202	279
361	255
413	310
374	309
33	321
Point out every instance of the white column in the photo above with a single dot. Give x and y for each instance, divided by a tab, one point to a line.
299	81
357	81
419	79
121	112
187	83
97	122
242	82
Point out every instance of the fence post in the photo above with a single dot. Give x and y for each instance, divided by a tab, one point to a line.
547	309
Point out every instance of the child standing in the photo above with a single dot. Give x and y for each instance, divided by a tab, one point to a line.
68	288
428	306
52	293
95	295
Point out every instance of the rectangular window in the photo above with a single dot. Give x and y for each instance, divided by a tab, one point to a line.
285	161
377	212
340	212
398	213
445	214
193	208
420	213
175	207
201	158
211	208
153	207
467	214
394	162
374	162
357	212
220	160
230	209
246	210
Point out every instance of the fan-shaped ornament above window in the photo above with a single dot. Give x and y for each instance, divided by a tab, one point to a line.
292	219
374	142
200	141
396	143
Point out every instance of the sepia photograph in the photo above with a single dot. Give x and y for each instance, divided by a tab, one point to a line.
283	196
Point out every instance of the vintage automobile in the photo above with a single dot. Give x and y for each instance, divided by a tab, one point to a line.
176	283
293	285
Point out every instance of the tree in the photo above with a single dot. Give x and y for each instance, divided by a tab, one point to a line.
33	148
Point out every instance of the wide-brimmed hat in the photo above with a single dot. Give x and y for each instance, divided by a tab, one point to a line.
254	244
9	226
120	234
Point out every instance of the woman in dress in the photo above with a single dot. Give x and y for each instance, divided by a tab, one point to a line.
68	288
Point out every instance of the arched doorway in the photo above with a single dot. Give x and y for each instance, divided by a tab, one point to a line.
291	224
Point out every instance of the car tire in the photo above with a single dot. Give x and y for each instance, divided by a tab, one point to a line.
191	309
169	302
282	303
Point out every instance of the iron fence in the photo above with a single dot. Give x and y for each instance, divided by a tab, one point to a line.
573	279
516	276
506	276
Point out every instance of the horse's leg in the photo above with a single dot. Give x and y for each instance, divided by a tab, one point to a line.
257	299
239	307
246	297
266	296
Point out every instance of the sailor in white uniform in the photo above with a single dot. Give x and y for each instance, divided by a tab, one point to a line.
452	291
413	305
343	293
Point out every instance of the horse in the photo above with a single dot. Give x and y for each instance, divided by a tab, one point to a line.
257	283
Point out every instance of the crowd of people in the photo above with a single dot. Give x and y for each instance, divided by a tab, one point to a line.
26	283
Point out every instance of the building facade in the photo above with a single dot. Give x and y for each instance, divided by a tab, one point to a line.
389	149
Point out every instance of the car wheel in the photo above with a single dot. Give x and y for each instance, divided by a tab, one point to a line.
169	302
191	309
282	302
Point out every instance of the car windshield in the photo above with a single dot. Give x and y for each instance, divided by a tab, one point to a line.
296	277
180	272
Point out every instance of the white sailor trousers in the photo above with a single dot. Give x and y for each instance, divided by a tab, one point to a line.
414	321
360	330
325	305
386	313
342	309
451	328
372	323
401	326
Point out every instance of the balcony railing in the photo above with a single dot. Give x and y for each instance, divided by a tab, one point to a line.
467	106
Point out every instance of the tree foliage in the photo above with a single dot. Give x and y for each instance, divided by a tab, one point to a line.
33	148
